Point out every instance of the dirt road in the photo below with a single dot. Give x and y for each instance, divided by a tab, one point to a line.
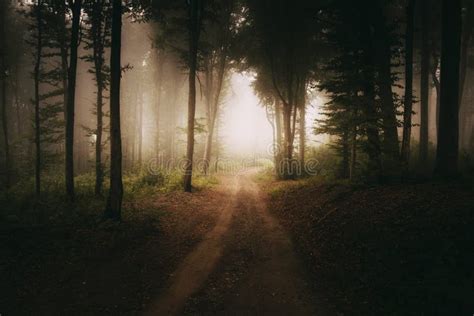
245	265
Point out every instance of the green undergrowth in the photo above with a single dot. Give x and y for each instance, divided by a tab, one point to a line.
21	207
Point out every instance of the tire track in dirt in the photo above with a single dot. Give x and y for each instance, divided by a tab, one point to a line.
197	265
245	266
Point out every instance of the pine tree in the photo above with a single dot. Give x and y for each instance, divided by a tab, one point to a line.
97	40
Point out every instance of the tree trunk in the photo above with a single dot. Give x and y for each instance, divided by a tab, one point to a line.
194	26
209	75
373	150
4	71
216	164
64	56
279	136
408	101
437	85
371	116
158	96
302	127
140	127
214	108
288	132
353	165
208	149
98	53
71	95
384	59
99	171
424	84
467	29
448	133
114	201
19	129
98	64
39	49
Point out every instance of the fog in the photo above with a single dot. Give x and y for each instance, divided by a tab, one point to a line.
256	94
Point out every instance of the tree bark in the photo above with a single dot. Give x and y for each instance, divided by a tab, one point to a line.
408	100
288	132
98	52
158	96
371	124
39	49
302	127
467	29
64	57
4	72
448	133
71	96
194	28
437	85
140	127
424	83
384	63
114	202
271	118
279	136
213	107
216	164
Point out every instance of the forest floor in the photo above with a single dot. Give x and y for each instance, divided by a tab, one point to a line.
92	267
252	246
215	251
400	249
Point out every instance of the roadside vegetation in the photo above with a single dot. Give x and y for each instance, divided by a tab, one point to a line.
400	248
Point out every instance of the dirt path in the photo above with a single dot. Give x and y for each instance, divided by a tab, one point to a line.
245	265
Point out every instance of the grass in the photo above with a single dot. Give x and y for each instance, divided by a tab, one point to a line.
54	251
20	206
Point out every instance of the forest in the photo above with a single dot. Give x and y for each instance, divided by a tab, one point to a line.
237	157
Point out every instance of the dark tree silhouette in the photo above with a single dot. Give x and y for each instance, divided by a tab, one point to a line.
424	82
467	30
4	77
408	101
448	132
76	7
97	40
383	57
36	76
114	202
195	15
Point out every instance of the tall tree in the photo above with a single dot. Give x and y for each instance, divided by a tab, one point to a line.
408	100
76	6
4	78
216	68
98	39
114	202
383	52
467	29
195	17
424	82
139	104
281	52
302	123
448	132
36	74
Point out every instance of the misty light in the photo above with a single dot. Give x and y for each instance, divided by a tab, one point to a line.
246	129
